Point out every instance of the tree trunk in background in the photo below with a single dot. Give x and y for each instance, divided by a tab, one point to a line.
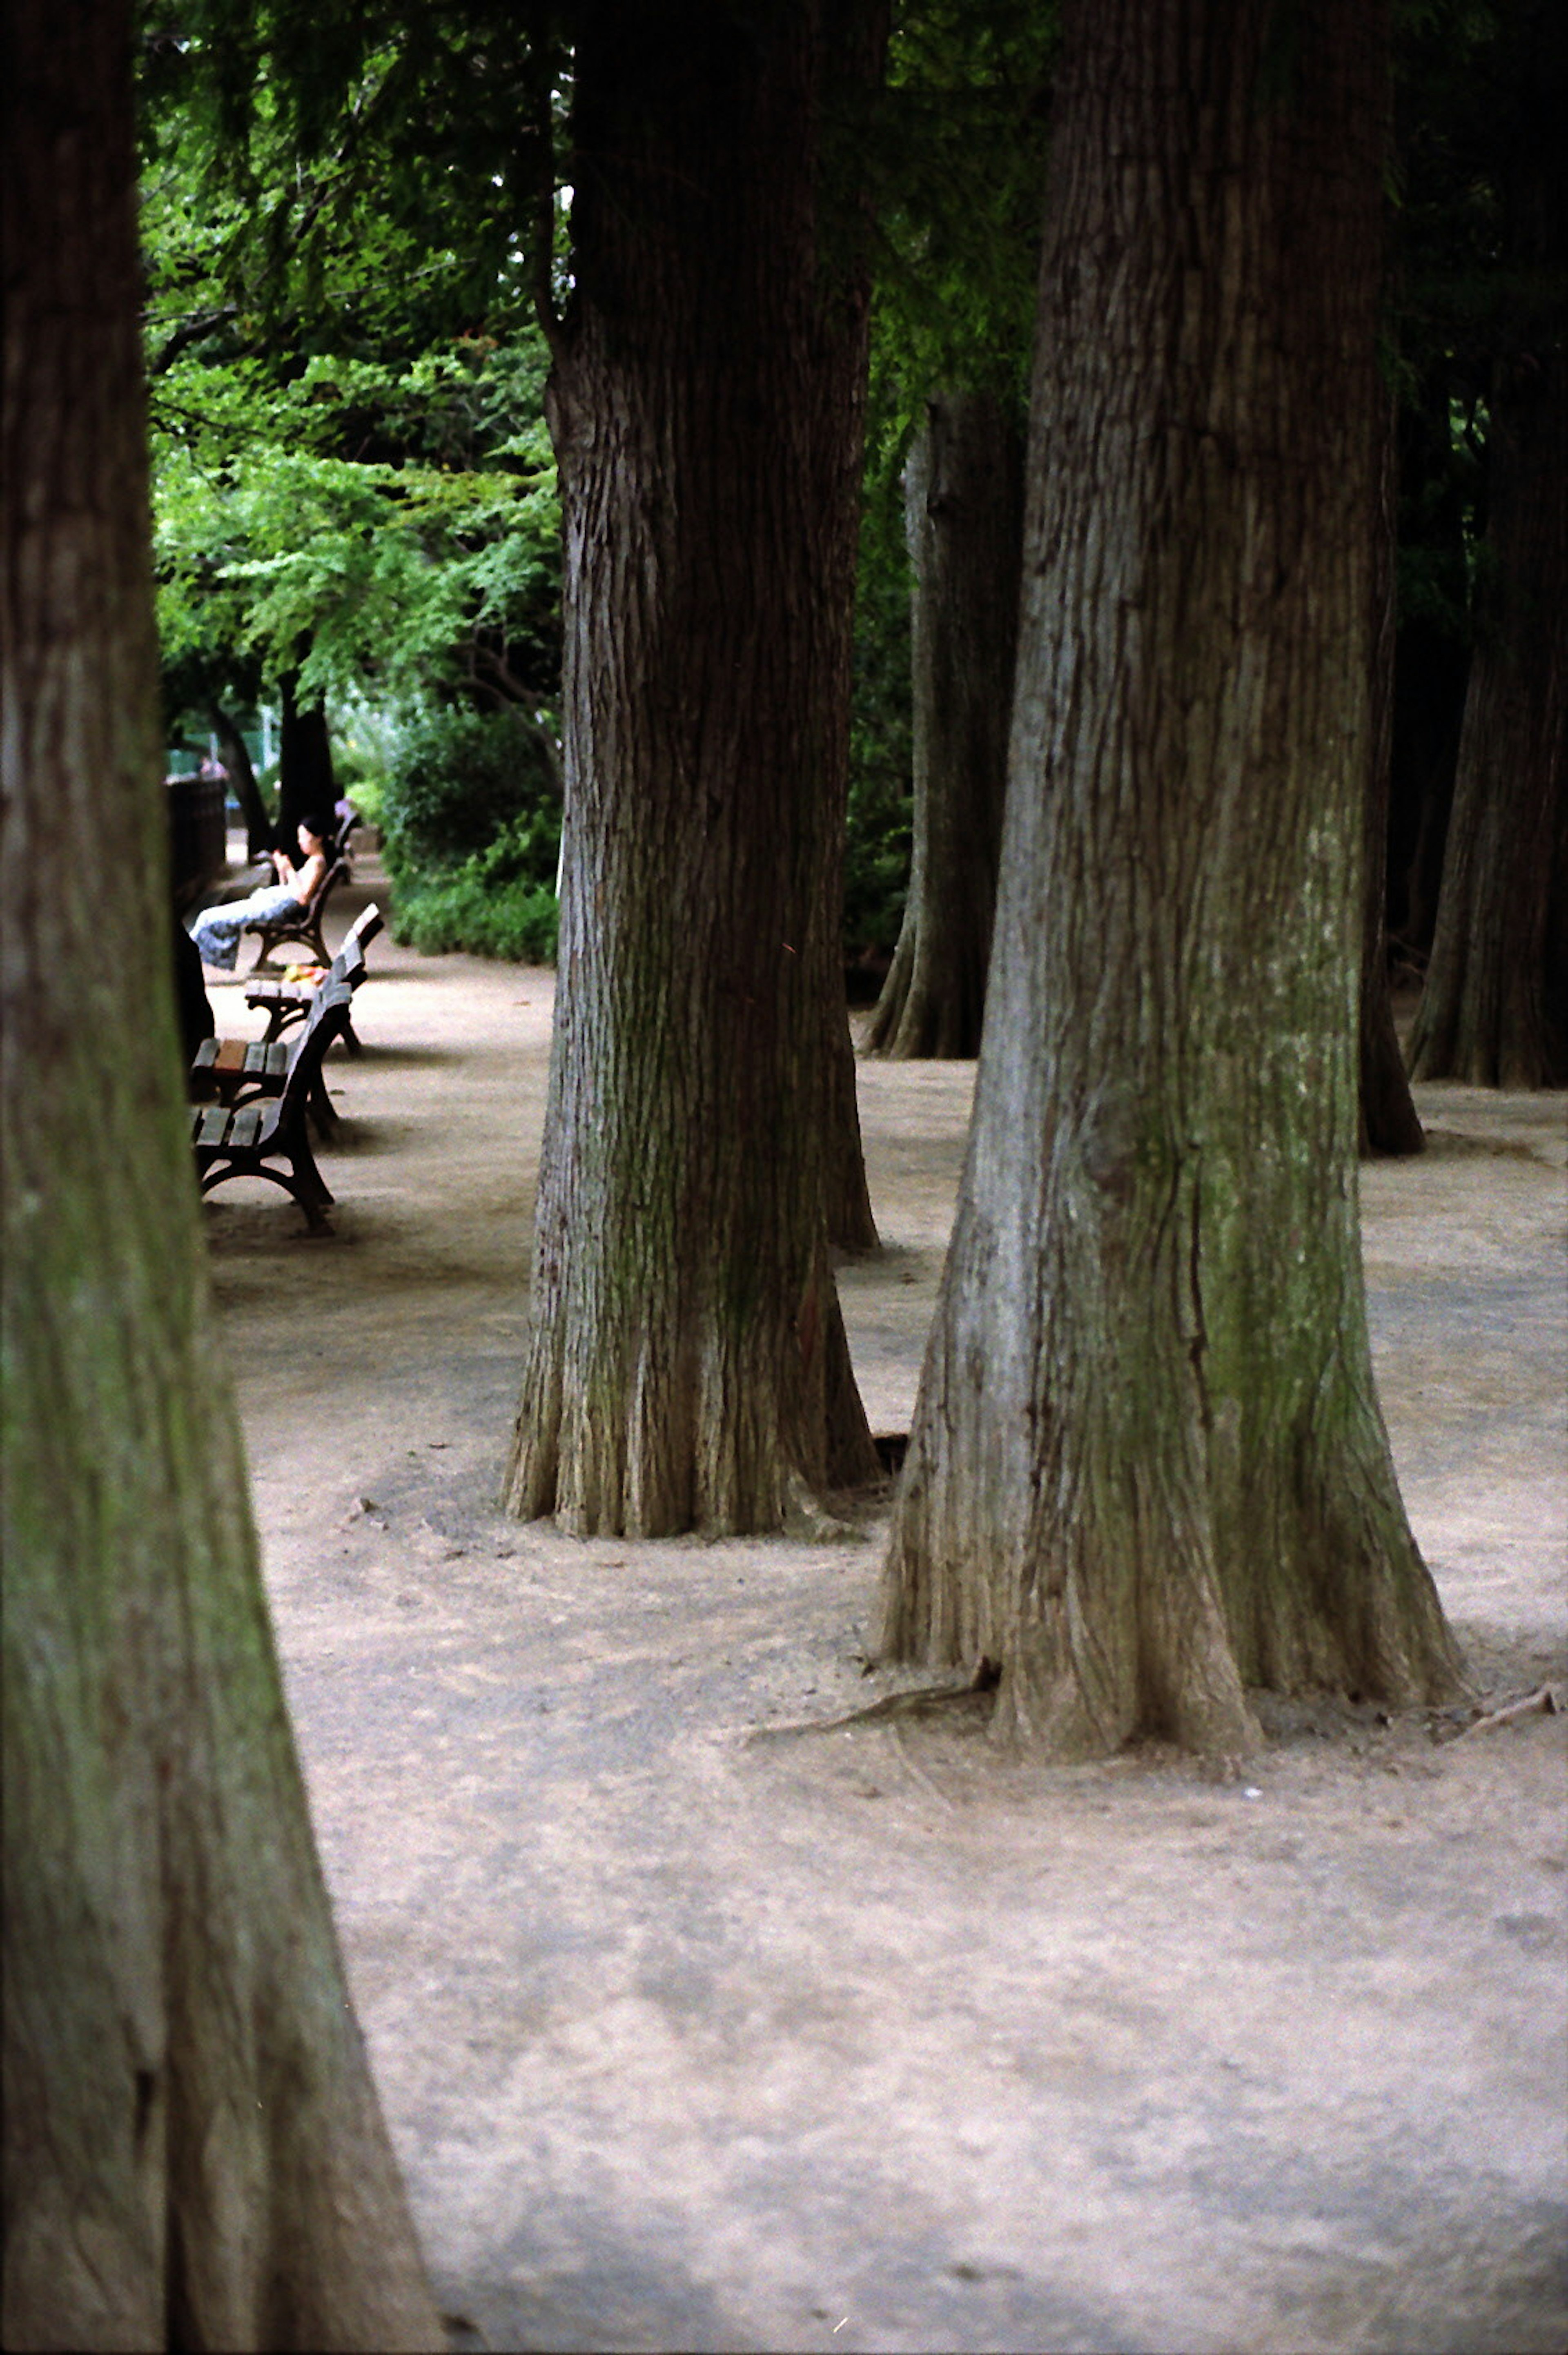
236	756
193	2151
306	784
1147	1468
964	507
851	1222
1432	659
1389	1123
686	1365
1485	1014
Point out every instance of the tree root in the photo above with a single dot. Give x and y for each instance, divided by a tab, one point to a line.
927	1700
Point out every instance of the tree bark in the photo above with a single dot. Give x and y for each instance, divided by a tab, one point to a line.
193	2153
1431	659
307	786
1147	1468
964	503
1388	1122
686	1365
242	776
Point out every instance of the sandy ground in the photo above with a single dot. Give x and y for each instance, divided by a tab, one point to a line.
878	2038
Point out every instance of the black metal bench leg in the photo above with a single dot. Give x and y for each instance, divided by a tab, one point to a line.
307	1176
313	1206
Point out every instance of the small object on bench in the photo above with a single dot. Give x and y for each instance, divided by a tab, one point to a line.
288	1002
231	1070
234	1069
267	1139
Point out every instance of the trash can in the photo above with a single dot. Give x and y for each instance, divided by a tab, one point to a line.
198	842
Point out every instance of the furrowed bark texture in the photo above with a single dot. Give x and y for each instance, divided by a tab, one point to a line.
1388	1122
686	1365
964	504
1149	1467
193	2154
236	756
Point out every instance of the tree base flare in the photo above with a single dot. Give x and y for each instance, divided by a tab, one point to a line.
716	1441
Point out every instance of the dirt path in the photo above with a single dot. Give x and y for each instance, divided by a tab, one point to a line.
876	2039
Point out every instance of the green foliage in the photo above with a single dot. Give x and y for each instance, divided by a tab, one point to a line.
1474	288
470	813
353	481
455	781
960	174
958	162
475	910
399	574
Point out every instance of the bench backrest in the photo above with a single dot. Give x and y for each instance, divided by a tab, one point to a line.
364	927
328	1019
332	998
348	964
336	871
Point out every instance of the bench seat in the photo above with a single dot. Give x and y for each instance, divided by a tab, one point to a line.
267	1138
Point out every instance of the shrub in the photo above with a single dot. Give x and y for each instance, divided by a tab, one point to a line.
455	783
470	820
500	903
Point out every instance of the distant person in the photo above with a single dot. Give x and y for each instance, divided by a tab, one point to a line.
213	769
217	930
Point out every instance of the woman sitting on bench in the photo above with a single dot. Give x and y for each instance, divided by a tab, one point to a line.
216	931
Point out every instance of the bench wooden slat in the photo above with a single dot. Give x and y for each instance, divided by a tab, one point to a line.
267	1138
286	1002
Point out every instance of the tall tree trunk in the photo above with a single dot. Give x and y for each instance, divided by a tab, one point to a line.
1387	1115
193	2151
243	777
964	502
851	1221
1147	1468
307	786
1432	659
687	1364
1486	1013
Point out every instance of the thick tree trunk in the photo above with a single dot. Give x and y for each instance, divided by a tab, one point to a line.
1485	1014
687	1364
243	777
193	2152
964	502
1388	1121
1147	1468
307	786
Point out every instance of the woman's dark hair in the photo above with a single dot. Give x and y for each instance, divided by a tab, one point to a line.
313	822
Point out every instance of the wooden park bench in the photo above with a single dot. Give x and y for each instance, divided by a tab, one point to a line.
303	925
231	1069
267	1138
287	1002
